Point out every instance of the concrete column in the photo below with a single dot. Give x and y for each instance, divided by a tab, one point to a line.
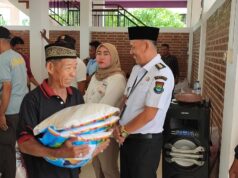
230	114
202	53
85	24
207	4
194	12
39	19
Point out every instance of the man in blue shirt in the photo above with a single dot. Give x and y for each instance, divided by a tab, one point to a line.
91	61
13	87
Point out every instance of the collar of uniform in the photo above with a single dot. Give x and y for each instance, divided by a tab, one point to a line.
155	60
48	91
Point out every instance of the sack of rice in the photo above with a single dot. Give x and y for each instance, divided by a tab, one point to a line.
90	123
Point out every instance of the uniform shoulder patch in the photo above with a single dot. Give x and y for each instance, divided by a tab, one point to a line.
160	66
160	78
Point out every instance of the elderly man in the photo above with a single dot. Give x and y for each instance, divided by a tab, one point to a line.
52	95
13	87
147	98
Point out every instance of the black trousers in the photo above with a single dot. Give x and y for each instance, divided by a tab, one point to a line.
7	148
140	156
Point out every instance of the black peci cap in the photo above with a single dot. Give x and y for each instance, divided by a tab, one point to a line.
143	33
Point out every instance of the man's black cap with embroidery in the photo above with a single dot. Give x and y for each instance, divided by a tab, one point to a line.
4	33
143	33
59	50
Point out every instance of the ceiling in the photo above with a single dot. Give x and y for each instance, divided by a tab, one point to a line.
150	3
137	3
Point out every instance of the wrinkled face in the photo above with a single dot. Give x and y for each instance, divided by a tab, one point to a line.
164	51
137	51
92	52
18	48
103	58
63	71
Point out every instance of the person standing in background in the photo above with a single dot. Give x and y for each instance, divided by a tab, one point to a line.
13	87
170	60
91	60
107	86
146	100
17	44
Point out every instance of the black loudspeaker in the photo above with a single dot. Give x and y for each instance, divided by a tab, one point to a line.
186	141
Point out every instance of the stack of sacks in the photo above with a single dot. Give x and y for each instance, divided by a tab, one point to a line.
90	123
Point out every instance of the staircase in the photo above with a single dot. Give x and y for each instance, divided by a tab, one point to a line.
67	13
22	5
113	15
26	2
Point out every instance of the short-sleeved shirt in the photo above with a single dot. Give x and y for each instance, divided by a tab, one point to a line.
154	90
91	67
108	91
37	105
81	73
13	69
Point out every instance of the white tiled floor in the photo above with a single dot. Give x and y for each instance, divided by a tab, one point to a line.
88	172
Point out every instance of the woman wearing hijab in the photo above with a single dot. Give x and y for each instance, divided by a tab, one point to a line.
107	86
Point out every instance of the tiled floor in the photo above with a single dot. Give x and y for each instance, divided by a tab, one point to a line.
88	172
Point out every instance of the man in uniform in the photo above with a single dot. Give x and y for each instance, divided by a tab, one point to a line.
53	95
13	87
170	60
147	98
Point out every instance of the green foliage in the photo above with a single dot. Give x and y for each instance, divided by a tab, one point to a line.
2	21
25	22
159	17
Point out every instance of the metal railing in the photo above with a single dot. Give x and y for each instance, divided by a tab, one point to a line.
113	15
67	13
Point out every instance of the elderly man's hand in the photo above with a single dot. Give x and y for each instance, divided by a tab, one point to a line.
68	150
3	123
233	172
100	148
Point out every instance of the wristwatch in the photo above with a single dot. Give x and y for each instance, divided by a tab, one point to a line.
123	132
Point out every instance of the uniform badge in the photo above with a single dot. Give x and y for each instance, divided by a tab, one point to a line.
160	77
159	87
160	66
147	79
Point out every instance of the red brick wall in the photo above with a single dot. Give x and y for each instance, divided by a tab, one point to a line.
178	46
215	68
179	43
195	55
53	35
